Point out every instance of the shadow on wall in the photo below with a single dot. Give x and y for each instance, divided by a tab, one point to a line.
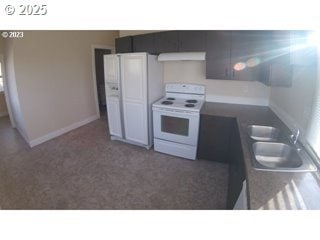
3	105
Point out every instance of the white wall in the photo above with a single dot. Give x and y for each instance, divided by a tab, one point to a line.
53	75
239	92
293	105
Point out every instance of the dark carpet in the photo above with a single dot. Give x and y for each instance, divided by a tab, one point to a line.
84	169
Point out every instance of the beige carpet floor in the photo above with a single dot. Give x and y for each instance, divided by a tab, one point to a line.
84	169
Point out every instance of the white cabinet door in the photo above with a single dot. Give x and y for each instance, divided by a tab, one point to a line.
114	116
134	96
111	68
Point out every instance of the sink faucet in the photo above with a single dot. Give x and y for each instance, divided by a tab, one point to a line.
294	137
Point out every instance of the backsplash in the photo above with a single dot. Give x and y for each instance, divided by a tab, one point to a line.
228	91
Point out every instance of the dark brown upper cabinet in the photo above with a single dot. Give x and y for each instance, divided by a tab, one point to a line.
248	50
265	56
170	41
287	50
218	54
124	44
144	43
166	41
235	55
249	56
277	59
192	41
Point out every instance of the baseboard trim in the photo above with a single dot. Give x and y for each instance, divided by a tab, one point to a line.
61	131
23	134
237	100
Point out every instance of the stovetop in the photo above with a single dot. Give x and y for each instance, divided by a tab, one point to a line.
193	105
183	97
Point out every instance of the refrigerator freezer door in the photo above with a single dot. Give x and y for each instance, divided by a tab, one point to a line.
111	68
114	116
113	94
112	90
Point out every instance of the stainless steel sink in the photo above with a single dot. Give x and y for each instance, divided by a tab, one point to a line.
263	133
276	155
273	156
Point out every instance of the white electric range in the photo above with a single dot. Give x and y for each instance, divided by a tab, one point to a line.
176	120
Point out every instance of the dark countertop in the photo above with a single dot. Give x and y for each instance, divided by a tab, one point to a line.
269	190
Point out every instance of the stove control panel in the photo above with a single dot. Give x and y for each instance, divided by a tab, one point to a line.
185	88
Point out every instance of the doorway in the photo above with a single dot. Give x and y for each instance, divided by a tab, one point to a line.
9	136
11	140
3	105
99	72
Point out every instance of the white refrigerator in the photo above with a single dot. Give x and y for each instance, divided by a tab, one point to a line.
134	81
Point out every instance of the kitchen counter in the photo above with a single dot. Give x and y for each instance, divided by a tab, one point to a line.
268	190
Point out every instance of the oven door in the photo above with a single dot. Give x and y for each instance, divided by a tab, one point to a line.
181	127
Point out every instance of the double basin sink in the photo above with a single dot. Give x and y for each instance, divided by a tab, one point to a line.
272	154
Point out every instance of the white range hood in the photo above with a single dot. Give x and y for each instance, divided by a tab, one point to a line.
182	56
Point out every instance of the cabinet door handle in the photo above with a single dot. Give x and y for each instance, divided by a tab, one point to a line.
226	72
